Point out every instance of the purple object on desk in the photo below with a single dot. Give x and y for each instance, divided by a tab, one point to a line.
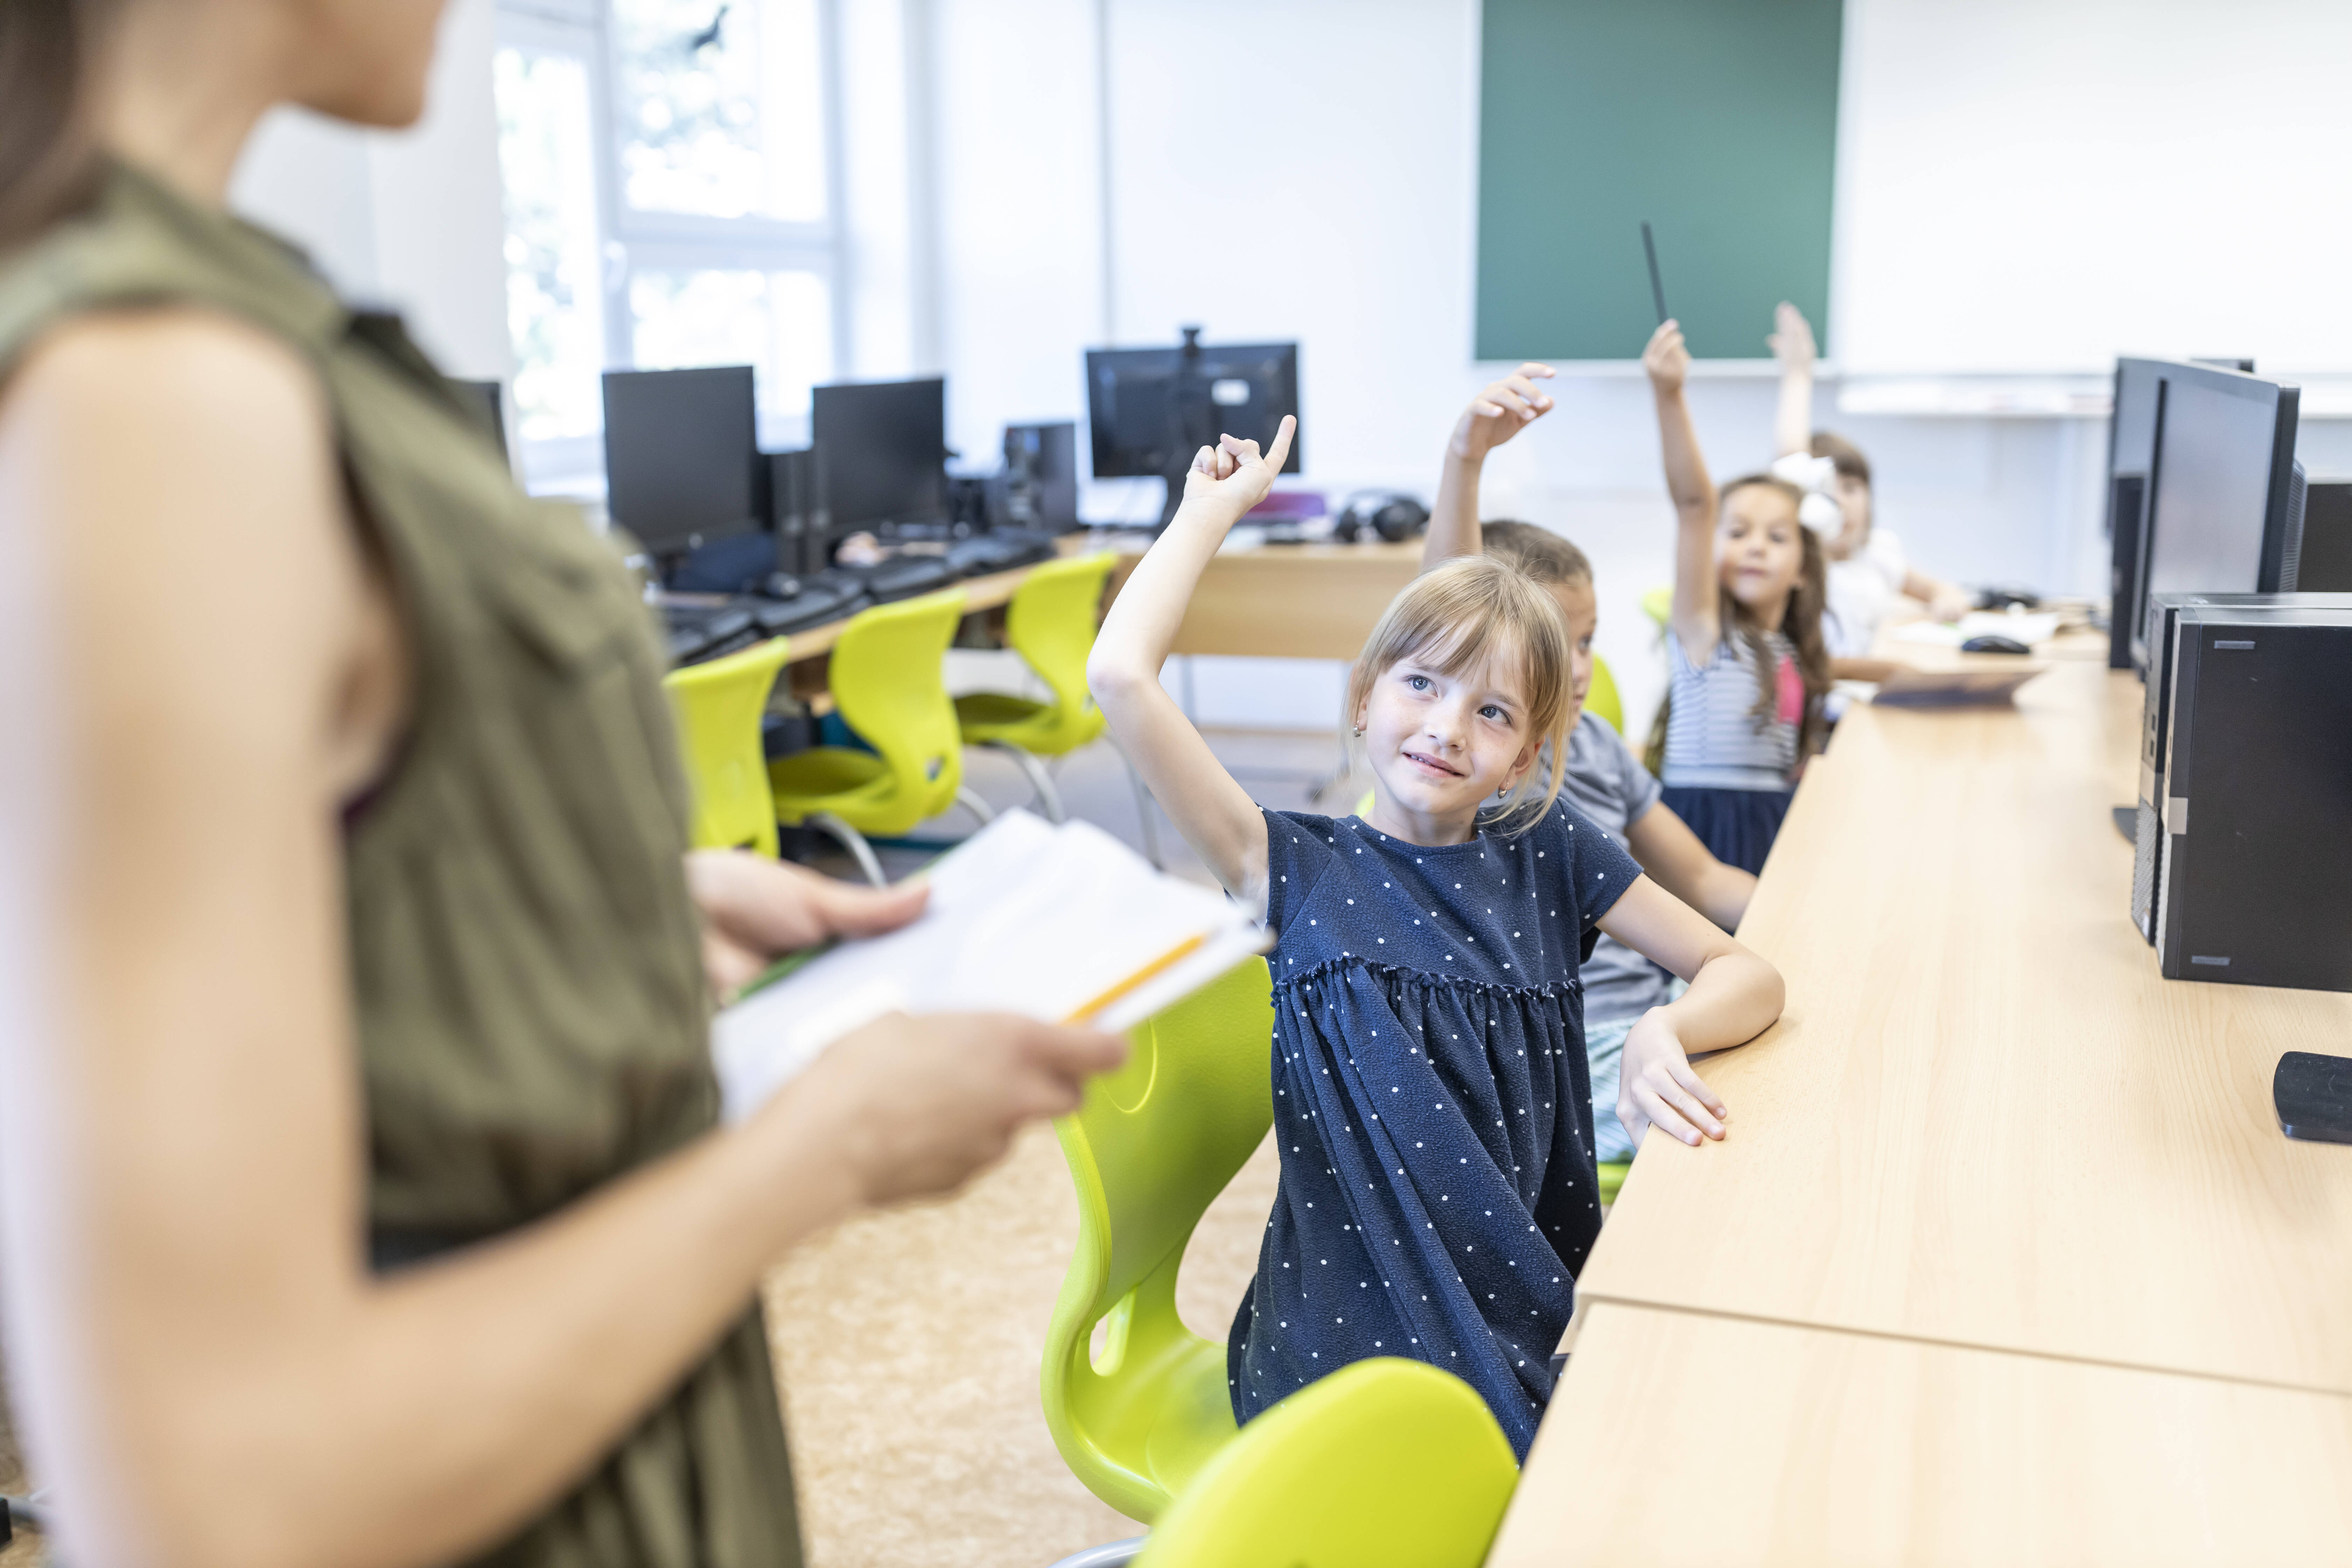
1290	504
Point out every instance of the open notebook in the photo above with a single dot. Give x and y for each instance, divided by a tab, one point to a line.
1065	924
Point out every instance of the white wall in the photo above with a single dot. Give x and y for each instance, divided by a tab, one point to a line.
411	219
2041	184
1307	172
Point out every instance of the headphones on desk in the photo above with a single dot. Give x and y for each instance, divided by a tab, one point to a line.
1391	515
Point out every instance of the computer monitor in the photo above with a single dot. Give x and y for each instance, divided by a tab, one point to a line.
2225	494
679	450
1149	410
2131	457
886	450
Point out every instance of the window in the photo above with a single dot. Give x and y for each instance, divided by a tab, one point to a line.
669	168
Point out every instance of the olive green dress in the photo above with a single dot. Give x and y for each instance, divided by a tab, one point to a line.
531	1010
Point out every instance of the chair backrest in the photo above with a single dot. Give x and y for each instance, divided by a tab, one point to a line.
718	707
889	683
1602	697
1148	1149
1050	623
1385	1463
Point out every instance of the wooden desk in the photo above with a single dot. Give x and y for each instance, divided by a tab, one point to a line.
1682	1437
2005	1257
1986	1119
1291	601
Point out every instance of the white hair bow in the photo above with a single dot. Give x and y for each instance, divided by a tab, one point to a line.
1816	479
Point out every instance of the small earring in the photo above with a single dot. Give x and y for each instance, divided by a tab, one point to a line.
1359	728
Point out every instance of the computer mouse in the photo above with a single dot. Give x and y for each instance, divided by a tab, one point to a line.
1994	644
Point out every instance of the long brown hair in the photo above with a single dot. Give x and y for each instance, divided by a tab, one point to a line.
48	158
1800	623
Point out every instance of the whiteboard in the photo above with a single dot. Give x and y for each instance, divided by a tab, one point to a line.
2039	185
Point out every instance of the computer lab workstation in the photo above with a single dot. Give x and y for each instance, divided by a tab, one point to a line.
2032	1234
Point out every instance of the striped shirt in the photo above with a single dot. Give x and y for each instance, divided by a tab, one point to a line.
1714	738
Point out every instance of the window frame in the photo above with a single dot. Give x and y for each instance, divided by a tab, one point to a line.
629	238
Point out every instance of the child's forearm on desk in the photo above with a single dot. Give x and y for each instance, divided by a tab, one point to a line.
1733	998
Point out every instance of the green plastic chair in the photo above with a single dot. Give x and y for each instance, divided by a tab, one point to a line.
1148	1149
1658	603
1050	623
1386	1463
718	707
1612	1179
888	683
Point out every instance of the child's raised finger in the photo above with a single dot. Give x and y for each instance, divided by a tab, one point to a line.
1532	368
1280	453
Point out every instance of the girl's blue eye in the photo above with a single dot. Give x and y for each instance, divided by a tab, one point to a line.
1491	711
1418	683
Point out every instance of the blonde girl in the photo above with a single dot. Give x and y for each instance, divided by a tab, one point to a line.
1432	1105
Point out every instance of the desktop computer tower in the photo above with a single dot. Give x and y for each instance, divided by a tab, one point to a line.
1039	487
2164	613
2325	565
796	511
2255	883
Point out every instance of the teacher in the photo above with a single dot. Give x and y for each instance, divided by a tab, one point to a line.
360	1195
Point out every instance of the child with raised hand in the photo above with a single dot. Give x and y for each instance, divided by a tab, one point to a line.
1602	777
1746	669
1868	569
1431	1107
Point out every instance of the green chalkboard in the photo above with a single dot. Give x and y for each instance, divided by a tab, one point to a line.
1716	120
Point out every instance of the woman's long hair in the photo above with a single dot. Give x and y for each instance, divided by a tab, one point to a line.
49	156
1800	623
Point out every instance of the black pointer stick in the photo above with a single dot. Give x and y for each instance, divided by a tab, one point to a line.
1658	290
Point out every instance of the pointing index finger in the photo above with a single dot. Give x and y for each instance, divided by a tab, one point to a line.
1281	450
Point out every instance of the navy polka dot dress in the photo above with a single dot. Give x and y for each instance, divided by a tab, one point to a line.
1431	1103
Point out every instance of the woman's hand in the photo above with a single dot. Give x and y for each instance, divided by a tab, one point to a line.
916	1106
1500	411
754	909
1656	1086
1232	474
1666	359
1792	339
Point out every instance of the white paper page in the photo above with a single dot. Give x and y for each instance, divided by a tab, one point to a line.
1024	917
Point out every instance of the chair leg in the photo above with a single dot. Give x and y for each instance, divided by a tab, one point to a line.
1142	809
850	838
972	803
1116	1554
1039	779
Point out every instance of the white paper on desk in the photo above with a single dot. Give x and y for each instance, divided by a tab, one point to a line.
1024	917
2031	630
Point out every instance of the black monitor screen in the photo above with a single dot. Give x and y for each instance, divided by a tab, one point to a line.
886	446
2215	475
1151	409
679	450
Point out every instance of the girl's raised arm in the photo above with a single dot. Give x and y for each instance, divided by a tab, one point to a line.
1693	617
1214	814
1792	345
1499	412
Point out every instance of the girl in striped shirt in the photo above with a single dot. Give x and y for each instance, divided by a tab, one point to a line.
1747	667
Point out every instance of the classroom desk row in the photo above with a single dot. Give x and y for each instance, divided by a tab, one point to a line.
2005	1259
1307	601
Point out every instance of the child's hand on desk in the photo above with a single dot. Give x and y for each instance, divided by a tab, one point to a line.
1656	1086
1501	411
1667	359
1232	473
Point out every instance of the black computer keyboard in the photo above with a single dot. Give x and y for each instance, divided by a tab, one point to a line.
1001	551
705	631
902	577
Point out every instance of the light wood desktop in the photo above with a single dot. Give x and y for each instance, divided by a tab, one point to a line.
1985	1121
1290	601
1684	1438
